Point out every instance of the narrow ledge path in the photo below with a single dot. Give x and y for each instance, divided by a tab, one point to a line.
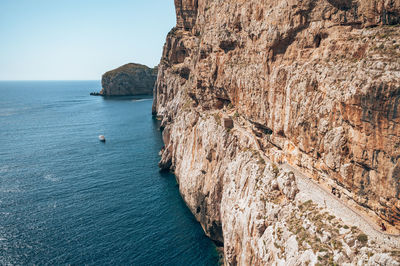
311	190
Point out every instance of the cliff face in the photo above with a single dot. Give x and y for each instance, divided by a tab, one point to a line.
128	80
317	83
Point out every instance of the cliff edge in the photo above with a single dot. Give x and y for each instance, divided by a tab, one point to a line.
129	80
245	88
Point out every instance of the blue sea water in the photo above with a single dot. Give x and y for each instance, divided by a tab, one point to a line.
66	198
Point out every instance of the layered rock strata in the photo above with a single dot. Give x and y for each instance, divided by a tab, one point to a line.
318	84
129	80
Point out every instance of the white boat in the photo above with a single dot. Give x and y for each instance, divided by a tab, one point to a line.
102	138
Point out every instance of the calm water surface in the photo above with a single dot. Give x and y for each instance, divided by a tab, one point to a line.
66	198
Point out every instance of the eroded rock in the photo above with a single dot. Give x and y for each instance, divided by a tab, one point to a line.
319	81
129	80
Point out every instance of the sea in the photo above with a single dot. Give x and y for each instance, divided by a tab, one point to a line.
68	199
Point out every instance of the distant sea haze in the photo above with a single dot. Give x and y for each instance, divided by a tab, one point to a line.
66	198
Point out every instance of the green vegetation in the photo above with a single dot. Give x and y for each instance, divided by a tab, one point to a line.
336	244
275	170
217	118
331	217
363	238
322	223
187	105
370	254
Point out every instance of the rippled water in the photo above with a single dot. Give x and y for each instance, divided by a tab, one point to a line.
66	198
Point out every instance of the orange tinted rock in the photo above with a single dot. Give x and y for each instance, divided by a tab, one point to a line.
315	73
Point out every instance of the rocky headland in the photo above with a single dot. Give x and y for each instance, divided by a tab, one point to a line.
128	80
269	106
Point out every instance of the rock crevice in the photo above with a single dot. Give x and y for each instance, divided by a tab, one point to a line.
316	81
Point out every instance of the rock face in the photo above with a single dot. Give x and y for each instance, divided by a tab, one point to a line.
129	80
318	83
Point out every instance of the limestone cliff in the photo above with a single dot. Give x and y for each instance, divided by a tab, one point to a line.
129	80
247	87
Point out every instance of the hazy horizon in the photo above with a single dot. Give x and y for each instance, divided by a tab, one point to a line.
75	41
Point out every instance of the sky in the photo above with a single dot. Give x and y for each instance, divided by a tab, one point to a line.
80	39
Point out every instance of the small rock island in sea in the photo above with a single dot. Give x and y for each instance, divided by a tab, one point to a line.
128	80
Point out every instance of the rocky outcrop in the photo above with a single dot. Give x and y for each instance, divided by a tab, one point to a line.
129	80
317	83
186	13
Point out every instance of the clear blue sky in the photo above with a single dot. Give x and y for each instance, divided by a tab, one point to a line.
80	39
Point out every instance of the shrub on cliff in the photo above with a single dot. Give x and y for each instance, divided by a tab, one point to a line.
363	238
